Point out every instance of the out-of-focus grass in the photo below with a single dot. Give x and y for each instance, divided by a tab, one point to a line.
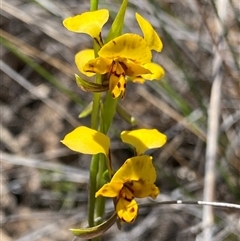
177	105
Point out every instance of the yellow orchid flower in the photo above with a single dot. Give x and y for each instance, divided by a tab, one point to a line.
137	175
134	179
127	55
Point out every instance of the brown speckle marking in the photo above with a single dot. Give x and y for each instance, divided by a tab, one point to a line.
116	74
119	85
128	199
114	42
97	41
132	210
124	66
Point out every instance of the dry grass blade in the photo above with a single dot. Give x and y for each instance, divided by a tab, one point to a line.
29	50
75	175
35	92
172	113
213	128
40	103
48	27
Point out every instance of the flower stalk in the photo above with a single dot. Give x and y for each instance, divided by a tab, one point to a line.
113	62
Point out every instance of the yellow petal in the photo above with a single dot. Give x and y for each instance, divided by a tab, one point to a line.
110	189
98	65
82	58
131	69
129	46
87	141
139	168
157	72
90	23
117	82
117	85
138	80
144	139
126	193
127	211
150	36
142	189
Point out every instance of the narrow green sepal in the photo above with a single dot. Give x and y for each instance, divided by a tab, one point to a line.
93	232
86	111
90	86
117	26
126	115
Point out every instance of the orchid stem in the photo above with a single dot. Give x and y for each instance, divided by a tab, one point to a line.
95	159
92	189
100	203
93	5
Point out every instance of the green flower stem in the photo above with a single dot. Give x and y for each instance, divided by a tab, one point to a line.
108	112
105	121
95	111
94	124
93	5
100	203
92	189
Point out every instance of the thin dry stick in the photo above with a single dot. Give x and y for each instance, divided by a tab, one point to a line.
213	129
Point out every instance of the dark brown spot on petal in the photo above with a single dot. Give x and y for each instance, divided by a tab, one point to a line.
124	66
128	199
113	96
132	210
101	41
97	41
128	186
124	85
114	42
116	74
119	85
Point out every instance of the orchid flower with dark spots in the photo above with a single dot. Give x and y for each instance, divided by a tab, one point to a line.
128	55
135	178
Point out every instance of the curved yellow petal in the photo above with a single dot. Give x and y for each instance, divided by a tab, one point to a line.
157	72
144	139
117	85
110	189
90	23
98	65
87	141
141	189
127	211
129	46
117	82
138	80
131	69
150	36
138	168
82	58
